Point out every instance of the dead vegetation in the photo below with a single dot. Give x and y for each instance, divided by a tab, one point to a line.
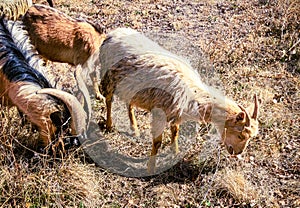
253	47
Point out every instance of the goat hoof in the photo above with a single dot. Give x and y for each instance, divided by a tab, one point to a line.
109	129
174	148
137	134
151	165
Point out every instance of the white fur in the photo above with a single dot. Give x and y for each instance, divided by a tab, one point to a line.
158	68
22	41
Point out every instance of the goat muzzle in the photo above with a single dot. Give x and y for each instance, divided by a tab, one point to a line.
79	125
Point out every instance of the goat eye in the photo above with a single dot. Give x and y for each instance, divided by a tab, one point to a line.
241	137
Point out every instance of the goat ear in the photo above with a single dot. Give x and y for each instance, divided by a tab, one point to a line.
246	115
241	116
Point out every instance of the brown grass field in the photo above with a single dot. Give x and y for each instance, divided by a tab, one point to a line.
249	46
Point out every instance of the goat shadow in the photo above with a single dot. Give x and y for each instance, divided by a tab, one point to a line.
170	167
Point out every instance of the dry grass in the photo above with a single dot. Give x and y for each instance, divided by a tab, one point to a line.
253	47
234	183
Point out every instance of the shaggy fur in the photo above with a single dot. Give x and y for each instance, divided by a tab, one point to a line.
145	75
21	39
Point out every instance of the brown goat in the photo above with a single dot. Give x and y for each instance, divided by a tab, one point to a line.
144	75
60	38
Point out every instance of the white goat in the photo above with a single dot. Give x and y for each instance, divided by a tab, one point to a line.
13	9
145	75
23	86
58	37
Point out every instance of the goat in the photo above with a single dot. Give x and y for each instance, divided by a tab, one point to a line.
60	38
145	75
23	42
28	89
13	9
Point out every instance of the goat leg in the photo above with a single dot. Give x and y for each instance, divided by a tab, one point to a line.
133	122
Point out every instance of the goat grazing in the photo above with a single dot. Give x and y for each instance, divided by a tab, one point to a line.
28	89
145	75
60	38
13	9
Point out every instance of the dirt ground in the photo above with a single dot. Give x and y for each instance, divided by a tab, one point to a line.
242	46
